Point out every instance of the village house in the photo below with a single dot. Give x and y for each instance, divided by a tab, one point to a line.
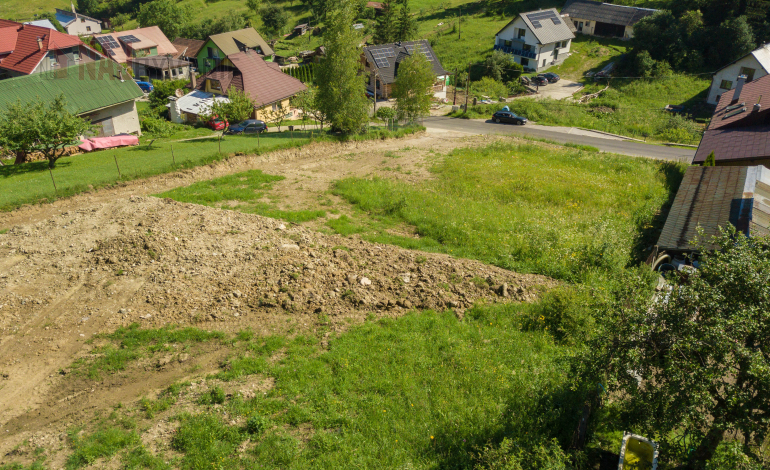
188	50
76	24
739	131
712	197
753	65
101	92
246	71
381	63
220	46
27	49
147	51
536	39
604	19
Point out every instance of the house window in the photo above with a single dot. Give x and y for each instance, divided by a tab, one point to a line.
275	107
88	28
75	54
524	62
173	72
527	47
748	72
544	62
588	23
521	33
508	43
179	71
82	20
726	85
213	53
52	58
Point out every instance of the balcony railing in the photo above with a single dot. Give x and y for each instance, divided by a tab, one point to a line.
514	51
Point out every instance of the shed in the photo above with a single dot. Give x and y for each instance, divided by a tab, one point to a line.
713	197
604	19
301	29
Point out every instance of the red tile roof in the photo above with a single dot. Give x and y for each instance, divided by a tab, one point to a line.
27	53
735	144
264	81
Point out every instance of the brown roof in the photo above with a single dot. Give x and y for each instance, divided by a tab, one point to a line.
375	5
188	47
264	81
159	62
235	41
713	197
148	37
738	130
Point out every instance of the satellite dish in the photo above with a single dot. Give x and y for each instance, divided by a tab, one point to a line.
178	93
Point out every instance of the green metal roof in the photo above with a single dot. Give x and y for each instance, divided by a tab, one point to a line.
86	87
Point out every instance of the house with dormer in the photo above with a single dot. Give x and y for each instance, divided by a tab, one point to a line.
219	47
27	49
147	51
536	39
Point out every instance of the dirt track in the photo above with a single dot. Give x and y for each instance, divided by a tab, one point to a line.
94	262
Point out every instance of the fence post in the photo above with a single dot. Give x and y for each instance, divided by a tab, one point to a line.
116	164
172	154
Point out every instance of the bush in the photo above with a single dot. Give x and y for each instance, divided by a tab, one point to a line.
490	87
257	424
157	127
215	396
566	312
509	456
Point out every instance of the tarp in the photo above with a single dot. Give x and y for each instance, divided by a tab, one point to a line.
108	142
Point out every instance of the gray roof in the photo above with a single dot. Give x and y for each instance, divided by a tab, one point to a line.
547	26
716	196
387	65
42	24
605	12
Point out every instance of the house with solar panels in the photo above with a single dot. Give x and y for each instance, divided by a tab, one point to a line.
76	24
536	39
381	63
147	51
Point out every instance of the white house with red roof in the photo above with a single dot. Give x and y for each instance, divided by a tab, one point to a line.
26	49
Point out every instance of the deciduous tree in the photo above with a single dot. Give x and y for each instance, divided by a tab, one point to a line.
168	15
691	364
240	106
413	86
274	19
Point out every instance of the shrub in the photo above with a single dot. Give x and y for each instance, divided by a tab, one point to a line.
157	127
215	396
509	456
489	87
257	424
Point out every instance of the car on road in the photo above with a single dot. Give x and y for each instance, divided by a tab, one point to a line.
145	86
509	117
217	124
539	81
551	77
249	126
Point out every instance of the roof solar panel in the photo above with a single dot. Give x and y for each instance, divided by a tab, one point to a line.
556	20
382	62
537	24
130	39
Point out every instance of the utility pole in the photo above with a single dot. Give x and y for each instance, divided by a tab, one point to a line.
467	87
454	100
375	92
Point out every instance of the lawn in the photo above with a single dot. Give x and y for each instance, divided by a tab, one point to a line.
32	182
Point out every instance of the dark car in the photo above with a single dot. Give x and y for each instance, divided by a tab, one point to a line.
145	86
551	77
249	126
509	117
539	81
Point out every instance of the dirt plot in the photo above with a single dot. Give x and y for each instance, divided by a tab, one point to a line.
98	261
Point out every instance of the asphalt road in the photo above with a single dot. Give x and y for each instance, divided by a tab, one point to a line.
561	135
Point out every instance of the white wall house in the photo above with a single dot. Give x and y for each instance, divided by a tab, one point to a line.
536	39
754	65
77	24
604	19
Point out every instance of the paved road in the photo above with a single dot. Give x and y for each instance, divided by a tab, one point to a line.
561	135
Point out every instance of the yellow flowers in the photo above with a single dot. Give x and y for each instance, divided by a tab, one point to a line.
431	437
542	318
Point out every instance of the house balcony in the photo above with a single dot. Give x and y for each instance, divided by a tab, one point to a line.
514	51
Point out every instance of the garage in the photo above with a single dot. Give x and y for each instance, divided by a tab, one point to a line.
609	30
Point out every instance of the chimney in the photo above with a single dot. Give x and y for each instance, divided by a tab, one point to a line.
193	79
739	88
120	73
758	105
40	43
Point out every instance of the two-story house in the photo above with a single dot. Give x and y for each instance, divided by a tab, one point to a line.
536	39
76	24
382	61
27	49
753	65
147	51
220	46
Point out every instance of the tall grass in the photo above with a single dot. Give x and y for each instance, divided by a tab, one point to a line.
569	214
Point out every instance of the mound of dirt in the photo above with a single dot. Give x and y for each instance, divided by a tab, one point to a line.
160	262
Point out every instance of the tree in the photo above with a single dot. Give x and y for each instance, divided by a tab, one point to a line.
169	16
406	26
710	160
40	127
502	67
692	364
52	18
412	87
342	88
254	5
88	7
385	29
240	106
162	89
275	116
120	19
274	19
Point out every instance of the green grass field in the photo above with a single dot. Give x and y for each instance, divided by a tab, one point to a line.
32	182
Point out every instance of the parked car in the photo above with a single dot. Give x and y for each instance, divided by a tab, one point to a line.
551	77
249	126
539	81
145	86
217	124
509	117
